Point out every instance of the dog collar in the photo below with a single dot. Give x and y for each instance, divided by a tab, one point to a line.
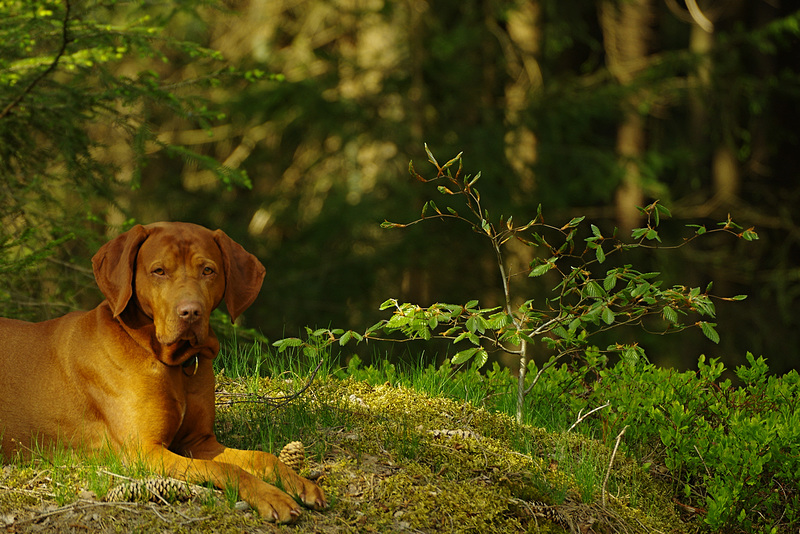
191	364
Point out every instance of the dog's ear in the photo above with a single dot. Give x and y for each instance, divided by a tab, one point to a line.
243	274
114	266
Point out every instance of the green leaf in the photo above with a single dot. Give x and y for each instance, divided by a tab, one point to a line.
472	338
709	331
670	314
749	235
345	338
464	355
596	231
610	281
377	326
480	358
653	235
630	355
573	223
455	159
699	229
283	344
539	270
593	290
640	290
608	315
474	324
430	156
599	254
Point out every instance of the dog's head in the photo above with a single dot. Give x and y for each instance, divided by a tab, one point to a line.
176	274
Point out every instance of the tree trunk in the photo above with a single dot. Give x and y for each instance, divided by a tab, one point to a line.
626	29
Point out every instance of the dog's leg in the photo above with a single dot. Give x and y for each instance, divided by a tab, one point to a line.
268	467
272	503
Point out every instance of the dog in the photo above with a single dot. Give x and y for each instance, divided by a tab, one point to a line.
135	373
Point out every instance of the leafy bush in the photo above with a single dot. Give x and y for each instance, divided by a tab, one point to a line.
582	300
732	452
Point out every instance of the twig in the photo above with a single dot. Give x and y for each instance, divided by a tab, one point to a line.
64	41
275	402
109	473
544	368
698	16
708	471
154	509
611	463
24	491
587	414
76	506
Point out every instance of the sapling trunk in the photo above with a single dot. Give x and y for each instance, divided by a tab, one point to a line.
523	350
523	366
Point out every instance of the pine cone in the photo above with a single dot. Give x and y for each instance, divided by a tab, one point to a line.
156	489
293	455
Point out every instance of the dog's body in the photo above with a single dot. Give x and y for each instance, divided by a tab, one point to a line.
136	372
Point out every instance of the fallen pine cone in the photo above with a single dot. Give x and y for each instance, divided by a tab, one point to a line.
293	455
155	489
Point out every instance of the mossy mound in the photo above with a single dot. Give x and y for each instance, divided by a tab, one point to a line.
429	459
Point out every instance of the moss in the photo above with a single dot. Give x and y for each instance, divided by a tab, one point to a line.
16	492
469	454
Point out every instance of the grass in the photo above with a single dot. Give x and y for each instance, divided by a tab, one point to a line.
404	447
570	467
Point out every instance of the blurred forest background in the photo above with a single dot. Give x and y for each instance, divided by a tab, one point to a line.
290	124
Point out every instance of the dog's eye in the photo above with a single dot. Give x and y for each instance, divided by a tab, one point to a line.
158	271
208	271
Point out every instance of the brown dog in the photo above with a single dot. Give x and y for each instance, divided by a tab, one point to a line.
135	373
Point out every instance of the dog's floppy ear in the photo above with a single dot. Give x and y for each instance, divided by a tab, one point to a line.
243	274
114	267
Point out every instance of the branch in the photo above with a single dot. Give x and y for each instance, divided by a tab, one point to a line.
587	414
699	18
611	463
64	41
275	402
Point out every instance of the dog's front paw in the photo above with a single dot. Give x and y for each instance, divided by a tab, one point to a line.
310	494
275	506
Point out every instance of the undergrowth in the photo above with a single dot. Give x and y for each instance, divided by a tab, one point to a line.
730	454
433	448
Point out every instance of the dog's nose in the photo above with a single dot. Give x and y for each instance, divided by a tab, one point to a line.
190	311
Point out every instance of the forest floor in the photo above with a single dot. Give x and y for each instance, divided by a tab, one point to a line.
390	459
